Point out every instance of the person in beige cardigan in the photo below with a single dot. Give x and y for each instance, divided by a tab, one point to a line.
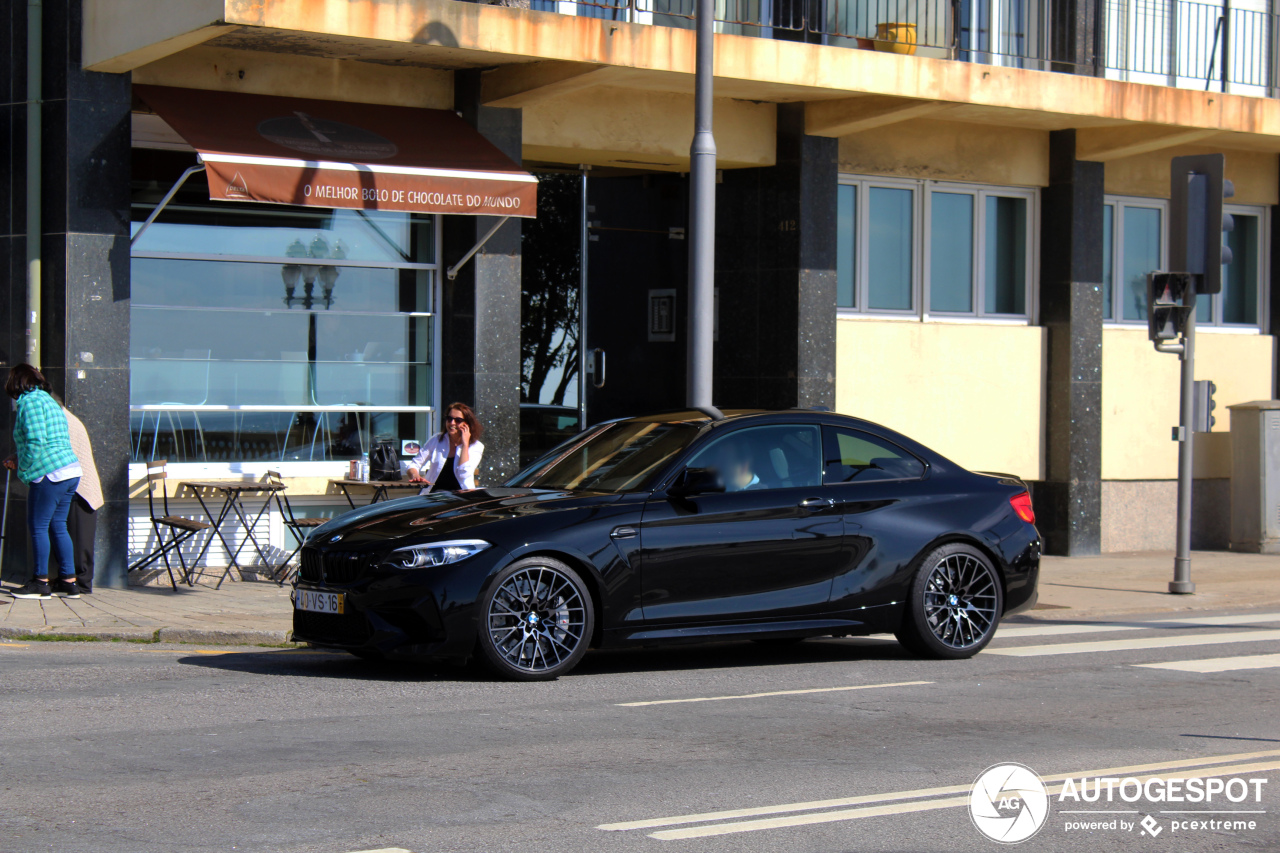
82	522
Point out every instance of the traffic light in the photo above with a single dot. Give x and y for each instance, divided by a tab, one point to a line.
1196	218
1203	406
1170	296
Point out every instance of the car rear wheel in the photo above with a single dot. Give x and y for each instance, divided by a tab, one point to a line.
537	620
955	604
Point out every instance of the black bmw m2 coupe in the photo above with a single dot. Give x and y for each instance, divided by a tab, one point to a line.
690	526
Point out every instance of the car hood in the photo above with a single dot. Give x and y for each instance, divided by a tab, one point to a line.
447	514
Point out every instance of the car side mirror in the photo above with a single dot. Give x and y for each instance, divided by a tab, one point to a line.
697	481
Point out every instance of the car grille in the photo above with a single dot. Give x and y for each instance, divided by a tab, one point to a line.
344	629
334	567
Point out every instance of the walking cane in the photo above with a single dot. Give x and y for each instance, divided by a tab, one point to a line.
4	518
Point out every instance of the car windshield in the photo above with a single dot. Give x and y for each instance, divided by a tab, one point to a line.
617	457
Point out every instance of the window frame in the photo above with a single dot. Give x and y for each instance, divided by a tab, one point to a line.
1263	215
922	251
696	452
1263	212
1119	203
862	240
831	443
978	290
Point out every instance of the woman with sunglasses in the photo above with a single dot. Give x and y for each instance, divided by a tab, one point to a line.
449	459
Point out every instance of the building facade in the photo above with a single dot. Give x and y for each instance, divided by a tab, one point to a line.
936	216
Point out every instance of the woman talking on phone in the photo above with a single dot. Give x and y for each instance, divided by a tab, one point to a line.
449	459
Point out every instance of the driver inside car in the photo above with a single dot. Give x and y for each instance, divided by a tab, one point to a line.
736	468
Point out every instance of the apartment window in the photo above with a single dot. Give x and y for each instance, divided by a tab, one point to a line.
929	249
1134	243
1240	302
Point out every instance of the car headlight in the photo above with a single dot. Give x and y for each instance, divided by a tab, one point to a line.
436	553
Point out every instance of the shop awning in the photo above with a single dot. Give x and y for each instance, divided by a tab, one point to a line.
336	154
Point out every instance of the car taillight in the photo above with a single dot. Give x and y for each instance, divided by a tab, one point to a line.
1021	504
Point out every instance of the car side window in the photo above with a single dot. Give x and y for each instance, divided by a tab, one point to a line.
765	457
853	456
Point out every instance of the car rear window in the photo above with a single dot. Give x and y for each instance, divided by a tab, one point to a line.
856	456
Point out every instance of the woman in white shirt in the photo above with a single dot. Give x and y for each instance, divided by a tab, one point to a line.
448	460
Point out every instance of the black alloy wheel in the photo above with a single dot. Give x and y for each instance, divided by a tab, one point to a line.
537	620
955	604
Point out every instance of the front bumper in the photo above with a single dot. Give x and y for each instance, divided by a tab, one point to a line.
411	614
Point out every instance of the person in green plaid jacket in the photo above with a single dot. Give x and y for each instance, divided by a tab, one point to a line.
48	465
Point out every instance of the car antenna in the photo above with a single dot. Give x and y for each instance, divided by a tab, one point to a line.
711	412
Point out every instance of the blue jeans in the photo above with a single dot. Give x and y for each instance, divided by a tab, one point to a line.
47	507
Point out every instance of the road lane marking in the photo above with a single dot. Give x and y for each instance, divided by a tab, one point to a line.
1218	664
771	693
189	652
1137	643
812	805
1015	631
14	645
927	805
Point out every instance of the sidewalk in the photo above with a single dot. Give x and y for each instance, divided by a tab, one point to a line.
252	612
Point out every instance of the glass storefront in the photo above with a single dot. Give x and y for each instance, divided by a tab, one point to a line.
265	334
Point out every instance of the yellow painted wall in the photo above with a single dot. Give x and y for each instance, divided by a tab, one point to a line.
1140	400
1256	174
973	392
260	73
630	128
950	151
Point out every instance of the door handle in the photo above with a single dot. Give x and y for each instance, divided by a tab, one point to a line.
817	503
596	367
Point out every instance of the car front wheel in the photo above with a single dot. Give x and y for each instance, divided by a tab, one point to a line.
537	620
955	604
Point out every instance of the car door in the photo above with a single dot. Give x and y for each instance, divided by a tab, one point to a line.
881	493
767	547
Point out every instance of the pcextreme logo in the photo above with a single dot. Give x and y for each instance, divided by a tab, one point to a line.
1009	803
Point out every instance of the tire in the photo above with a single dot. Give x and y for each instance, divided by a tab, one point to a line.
521	602
955	604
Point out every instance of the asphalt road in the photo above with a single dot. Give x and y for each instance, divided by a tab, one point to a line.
108	747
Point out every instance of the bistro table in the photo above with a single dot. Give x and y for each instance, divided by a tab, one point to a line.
380	488
233	492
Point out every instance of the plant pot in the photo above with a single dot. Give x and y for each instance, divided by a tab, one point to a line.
896	38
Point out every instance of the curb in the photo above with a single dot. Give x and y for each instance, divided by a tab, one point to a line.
200	636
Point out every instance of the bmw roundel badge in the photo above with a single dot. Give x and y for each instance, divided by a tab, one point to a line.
336	538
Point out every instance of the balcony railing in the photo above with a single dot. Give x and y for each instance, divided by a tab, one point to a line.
1165	42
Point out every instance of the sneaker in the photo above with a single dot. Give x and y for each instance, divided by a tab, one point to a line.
32	589
65	589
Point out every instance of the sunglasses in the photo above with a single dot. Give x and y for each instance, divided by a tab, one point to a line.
455	420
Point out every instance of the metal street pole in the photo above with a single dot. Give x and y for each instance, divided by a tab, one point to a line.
1181	583
702	216
35	149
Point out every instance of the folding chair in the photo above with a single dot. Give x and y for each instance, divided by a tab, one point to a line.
295	524
179	529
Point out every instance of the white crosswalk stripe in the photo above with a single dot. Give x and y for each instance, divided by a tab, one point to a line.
1218	664
1136	643
1009	632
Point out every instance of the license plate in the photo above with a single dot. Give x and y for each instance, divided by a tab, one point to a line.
319	602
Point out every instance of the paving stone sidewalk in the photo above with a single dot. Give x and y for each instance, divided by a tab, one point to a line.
252	612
